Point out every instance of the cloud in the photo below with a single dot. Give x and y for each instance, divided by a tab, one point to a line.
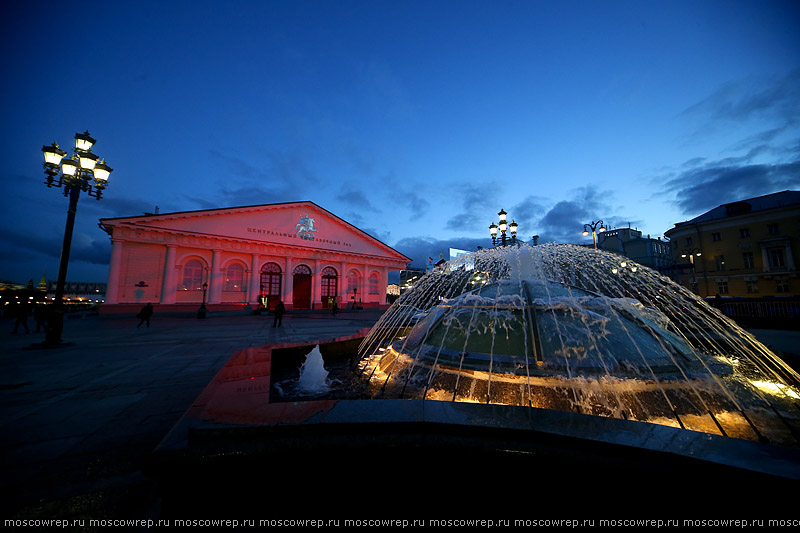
361	210
355	198
476	201
417	204
744	100
382	236
527	213
286	172
461	221
765	160
419	249
112	206
236	165
227	196
766	112
702	188
84	247
244	181
565	220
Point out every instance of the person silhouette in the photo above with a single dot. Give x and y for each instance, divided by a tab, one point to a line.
22	311
279	310
145	314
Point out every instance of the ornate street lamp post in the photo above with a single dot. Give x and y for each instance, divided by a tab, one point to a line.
504	227
201	313
593	228
80	172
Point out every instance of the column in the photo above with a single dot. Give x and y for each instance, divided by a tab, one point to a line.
341	287
114	269
215	279
316	285
169	282
789	258
364	282
287	282
254	280
383	283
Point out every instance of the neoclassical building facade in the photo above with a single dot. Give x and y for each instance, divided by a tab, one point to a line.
234	257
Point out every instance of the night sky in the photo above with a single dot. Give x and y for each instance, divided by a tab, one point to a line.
415	121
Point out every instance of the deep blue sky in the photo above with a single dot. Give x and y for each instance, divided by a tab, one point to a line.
415	121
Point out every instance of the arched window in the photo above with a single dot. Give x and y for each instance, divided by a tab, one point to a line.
352	282
302	270
329	284
373	283
192	276
234	277
271	281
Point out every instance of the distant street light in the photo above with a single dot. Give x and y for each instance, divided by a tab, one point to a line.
80	172
625	267
593	228
504	227
691	253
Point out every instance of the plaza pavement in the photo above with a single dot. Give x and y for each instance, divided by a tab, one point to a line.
78	421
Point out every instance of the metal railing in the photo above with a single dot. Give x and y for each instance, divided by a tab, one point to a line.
761	311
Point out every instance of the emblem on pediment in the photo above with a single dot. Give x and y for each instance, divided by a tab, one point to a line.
305	228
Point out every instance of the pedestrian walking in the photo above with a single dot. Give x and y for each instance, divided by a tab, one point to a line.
40	316
145	314
279	310
22	311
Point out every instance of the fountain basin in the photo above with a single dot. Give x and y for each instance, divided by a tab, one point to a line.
547	328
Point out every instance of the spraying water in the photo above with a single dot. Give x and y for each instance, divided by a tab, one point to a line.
313	376
582	330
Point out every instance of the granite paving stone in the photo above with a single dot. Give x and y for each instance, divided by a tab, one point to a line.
79	421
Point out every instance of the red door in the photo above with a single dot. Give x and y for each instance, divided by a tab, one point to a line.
301	291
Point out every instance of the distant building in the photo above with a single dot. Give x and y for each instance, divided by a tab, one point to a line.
81	291
654	253
409	277
744	248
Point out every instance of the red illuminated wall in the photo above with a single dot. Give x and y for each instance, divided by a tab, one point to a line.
164	258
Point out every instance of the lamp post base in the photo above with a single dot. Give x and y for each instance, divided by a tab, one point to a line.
54	328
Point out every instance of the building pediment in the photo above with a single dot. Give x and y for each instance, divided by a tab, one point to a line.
297	224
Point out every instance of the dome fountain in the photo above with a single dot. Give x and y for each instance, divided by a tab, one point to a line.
547	371
579	330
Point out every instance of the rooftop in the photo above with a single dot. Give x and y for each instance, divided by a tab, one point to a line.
751	205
